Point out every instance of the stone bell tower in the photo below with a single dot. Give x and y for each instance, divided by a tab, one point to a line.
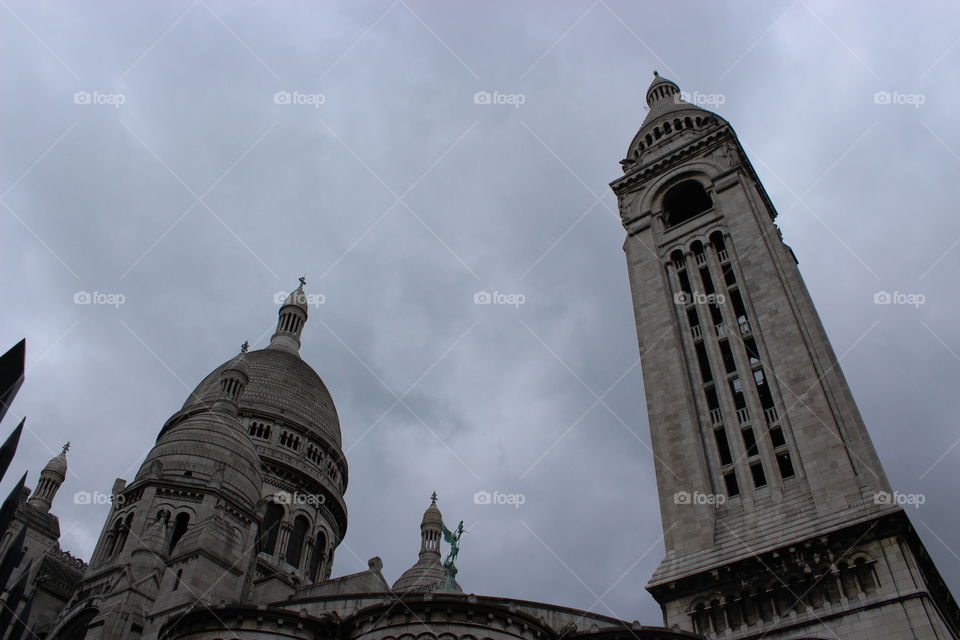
777	515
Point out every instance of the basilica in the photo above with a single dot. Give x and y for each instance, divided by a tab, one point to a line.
772	497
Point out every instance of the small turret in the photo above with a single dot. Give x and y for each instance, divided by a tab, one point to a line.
233	380
428	574
293	315
50	480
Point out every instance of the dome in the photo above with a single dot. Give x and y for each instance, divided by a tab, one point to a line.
57	465
280	383
297	298
211	448
432	516
666	125
426	575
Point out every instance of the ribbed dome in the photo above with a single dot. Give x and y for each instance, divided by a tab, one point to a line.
280	383
210	447
432	516
296	298
57	465
426	575
664	97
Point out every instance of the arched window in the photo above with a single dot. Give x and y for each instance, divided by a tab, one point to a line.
179	528
685	201
271	528
701	620
297	539
319	555
113	537
865	575
122	529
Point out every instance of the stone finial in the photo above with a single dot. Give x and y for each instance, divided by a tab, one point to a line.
433	498
303	281
245	346
66	448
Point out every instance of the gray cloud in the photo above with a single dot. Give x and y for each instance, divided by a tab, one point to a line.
400	198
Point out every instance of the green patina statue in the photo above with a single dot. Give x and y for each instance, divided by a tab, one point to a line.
453	539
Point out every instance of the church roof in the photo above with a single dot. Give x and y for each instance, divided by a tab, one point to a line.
427	574
280	383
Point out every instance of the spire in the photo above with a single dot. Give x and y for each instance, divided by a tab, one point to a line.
50	480
293	315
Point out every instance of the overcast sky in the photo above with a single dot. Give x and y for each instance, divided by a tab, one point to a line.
145	155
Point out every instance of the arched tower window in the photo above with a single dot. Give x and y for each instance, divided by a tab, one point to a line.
297	539
271	528
685	201
180	524
319	555
113	537
121	529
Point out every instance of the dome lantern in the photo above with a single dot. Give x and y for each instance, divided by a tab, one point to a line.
51	477
293	315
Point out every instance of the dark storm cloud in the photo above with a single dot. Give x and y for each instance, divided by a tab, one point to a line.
200	197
